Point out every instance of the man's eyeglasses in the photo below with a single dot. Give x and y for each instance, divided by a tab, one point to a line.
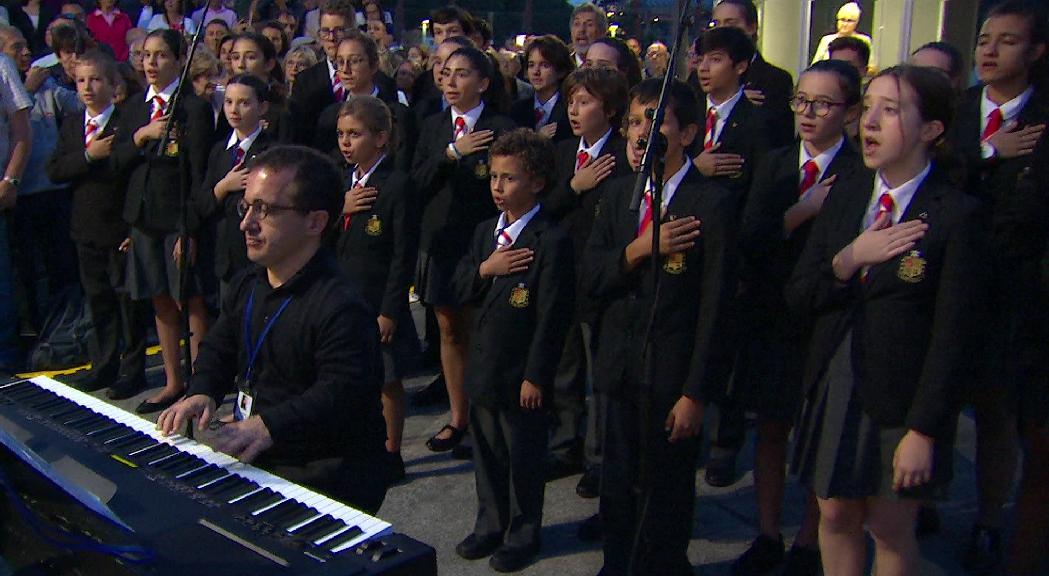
331	32
819	107
262	209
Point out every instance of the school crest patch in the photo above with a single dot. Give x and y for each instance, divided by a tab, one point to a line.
674	263
912	268
481	170
374	226
519	296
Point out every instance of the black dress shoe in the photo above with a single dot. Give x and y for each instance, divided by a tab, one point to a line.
147	407
589	485
763	555
88	380
983	554
591	529
474	547
125	389
508	559
802	561
721	471
435	393
436	444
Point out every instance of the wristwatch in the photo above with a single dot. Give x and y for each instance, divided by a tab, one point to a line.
14	181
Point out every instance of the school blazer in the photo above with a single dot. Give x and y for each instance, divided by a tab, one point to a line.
912	318
405	129
98	187
231	254
769	256
576	212
310	95
154	205
777	86
520	320
522	112
455	194
697	286
378	250
746	132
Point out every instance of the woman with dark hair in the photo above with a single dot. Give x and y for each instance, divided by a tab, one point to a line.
549	62
253	53
172	18
451	167
614	53
274	31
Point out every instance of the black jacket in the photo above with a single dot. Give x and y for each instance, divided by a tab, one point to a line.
911	322
522	112
154	205
378	249
696	288
777	86
98	187
520	321
405	130
746	132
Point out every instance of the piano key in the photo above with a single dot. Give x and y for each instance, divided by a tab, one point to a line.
253	501
104	428
153	448
189	477
344	540
163	456
328	538
175	461
267	503
238	498
298	517
208	477
318	528
277	510
221	484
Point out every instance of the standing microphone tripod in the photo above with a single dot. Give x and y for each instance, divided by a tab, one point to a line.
176	113
651	171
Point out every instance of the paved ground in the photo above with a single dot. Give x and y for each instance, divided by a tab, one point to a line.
436	505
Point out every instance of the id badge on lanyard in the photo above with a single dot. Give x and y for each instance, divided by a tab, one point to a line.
246	392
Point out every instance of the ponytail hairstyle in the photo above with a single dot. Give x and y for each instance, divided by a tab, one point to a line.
936	102
374	114
482	63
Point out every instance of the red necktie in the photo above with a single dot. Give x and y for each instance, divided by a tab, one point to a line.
346	217
646	217
460	128
538	116
238	155
811	170
158	108
708	134
994	123
582	158
89	132
885	206
337	90
503	239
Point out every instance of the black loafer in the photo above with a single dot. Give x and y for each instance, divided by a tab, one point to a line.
589	485
147	407
475	547
721	471
508	559
436	444
125	389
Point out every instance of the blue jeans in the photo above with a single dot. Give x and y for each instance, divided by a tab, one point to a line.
9	350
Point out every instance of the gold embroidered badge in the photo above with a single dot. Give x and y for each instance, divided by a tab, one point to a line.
519	296
373	227
912	268
674	263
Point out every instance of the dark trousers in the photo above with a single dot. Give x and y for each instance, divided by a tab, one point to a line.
671	492
728	429
117	318
40	238
570	385
509	451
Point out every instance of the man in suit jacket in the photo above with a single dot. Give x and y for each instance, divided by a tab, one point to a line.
685	366
764	84
318	86
82	157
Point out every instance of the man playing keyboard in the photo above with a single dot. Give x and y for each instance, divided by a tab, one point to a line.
296	342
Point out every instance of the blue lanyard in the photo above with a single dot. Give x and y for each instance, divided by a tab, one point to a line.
253	349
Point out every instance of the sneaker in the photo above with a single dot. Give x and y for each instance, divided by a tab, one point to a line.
802	561
763	555
983	554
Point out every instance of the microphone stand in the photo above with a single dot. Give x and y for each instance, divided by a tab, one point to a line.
176	113
652	169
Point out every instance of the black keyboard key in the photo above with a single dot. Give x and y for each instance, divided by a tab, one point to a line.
299	516
240	492
174	461
153	452
209	476
320	527
278	510
190	477
261	500
103	428
187	466
65	412
217	487
343	538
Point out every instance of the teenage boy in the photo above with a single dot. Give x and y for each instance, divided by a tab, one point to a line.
519	275
82	157
732	142
999	131
697	280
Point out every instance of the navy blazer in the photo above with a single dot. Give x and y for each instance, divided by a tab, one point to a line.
522	112
746	132
520	320
911	318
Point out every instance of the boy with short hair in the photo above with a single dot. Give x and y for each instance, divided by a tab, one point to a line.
83	158
519	276
697	274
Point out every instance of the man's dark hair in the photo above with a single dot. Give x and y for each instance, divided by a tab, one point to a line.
484	28
315	183
449	14
750	11
554	51
342	8
173	38
851	43
70	39
733	41
683	100
535	151
460	41
628	63
1033	12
